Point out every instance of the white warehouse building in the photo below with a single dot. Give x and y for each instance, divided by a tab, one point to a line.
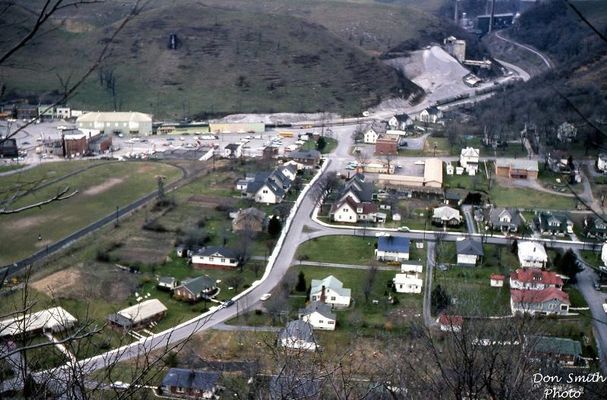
134	123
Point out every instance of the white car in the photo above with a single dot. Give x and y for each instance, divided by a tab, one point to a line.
266	296
119	385
403	229
380	234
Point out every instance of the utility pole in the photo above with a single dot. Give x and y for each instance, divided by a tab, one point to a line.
491	16
455	16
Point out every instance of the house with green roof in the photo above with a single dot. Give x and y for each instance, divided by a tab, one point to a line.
563	351
195	289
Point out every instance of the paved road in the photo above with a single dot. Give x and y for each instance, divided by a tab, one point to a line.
470	223
430	264
518	70
545	59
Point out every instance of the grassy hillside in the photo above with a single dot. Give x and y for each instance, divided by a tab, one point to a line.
234	56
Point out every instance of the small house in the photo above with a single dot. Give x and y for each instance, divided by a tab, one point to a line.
549	301
330	291
504	219
297	335
215	258
469	251
446	216
181	383
319	316
373	131
54	319
400	122
554	224
249	220
595	227
138	316
496	280
468	159
407	283
232	150
392	248
450	323
430	115
531	254
307	158
167	283
195	289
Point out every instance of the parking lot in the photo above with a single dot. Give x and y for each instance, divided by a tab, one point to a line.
32	138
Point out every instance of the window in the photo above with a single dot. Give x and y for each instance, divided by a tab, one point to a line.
564	307
179	390
223	260
210	258
333	298
331	322
320	321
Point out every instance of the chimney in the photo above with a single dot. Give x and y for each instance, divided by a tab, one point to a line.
323	296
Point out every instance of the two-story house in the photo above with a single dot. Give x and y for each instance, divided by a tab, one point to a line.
534	279
549	301
504	219
400	122
595	227
554	224
468	159
330	290
531	254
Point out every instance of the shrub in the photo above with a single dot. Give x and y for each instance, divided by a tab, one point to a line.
154	226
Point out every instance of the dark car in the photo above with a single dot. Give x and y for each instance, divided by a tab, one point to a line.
228	303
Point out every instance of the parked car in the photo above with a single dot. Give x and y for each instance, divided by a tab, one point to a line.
228	303
403	229
119	385
266	296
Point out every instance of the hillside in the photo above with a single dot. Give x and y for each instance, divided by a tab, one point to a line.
578	83
234	56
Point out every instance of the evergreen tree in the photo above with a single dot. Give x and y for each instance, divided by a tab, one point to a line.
301	282
274	226
321	143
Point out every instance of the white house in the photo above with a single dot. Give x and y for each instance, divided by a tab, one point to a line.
288	170
400	122
469	251
330	291
446	215
532	254
604	253
496	280
449	168
373	132
297	335
345	211
411	268
601	162
392	248
431	115
318	315
468	159
215	257
408	283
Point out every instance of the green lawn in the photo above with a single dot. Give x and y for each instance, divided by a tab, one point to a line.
10	167
371	314
529	198
339	249
470	287
329	147
100	191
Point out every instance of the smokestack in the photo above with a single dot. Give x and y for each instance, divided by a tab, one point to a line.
323	296
455	16
492	16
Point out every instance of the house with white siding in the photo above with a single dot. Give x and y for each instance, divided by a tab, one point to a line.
408	283
330	291
531	254
297	335
215	258
469	251
319	315
468	159
392	248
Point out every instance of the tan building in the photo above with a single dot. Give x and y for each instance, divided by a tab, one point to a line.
237	127
432	176
516	168
135	123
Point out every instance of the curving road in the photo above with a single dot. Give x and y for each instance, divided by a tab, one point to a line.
545	59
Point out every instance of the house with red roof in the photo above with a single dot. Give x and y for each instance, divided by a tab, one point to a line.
450	323
547	301
534	279
497	280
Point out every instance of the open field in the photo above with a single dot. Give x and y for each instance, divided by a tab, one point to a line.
95	199
352	250
528	198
